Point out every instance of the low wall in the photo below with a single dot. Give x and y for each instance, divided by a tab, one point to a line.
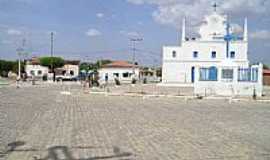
228	89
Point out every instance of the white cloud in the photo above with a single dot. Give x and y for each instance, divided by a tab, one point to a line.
14	32
100	15
93	32
171	12
262	34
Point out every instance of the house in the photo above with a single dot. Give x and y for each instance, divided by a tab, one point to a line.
148	74
70	70
33	68
266	77
215	62
122	70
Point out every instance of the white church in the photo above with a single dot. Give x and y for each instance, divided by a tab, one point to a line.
216	62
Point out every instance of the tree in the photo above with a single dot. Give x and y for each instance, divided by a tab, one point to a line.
265	66
56	62
102	62
7	66
94	66
86	66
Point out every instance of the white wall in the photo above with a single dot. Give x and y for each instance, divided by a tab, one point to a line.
68	68
35	69
110	71
178	69
229	88
205	48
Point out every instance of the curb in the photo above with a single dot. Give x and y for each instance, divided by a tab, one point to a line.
145	96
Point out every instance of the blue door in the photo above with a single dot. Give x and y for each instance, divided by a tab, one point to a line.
192	74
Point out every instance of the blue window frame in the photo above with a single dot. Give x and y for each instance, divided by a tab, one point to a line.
195	54
214	54
232	54
208	74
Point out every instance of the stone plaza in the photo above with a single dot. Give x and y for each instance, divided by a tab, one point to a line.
40	123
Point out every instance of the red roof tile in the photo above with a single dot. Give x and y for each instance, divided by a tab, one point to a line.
266	71
118	64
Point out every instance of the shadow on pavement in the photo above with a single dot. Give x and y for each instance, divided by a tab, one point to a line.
64	152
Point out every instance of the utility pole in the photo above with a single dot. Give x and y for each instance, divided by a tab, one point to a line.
52	67
133	41
20	52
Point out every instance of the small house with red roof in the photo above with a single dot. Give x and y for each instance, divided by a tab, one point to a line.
121	70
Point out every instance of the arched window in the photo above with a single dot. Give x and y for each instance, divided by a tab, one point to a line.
174	54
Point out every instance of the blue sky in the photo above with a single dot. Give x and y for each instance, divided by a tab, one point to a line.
94	29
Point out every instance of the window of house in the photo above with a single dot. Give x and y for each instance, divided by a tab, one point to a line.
232	54
71	73
227	74
126	75
116	75
214	54
32	73
248	74
39	72
244	74
195	54
208	74
174	54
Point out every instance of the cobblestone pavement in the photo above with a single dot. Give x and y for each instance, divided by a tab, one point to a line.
43	124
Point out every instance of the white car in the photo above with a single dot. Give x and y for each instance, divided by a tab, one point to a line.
66	78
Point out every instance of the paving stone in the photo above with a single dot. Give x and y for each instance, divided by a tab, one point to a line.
44	124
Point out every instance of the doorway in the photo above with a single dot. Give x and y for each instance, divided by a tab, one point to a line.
192	74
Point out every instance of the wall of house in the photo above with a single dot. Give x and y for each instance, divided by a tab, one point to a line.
36	69
110	71
266	79
71	68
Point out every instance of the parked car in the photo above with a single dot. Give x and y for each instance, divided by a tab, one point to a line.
66	78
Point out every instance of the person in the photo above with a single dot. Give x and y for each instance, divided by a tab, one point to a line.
17	82
33	80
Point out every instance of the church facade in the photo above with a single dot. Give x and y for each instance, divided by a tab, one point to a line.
217	58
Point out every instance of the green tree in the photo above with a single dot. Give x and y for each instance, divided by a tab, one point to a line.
7	66
265	66
102	62
57	62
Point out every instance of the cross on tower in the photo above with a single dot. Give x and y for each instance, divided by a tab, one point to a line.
215	6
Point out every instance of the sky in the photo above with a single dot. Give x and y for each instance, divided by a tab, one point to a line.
101	29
